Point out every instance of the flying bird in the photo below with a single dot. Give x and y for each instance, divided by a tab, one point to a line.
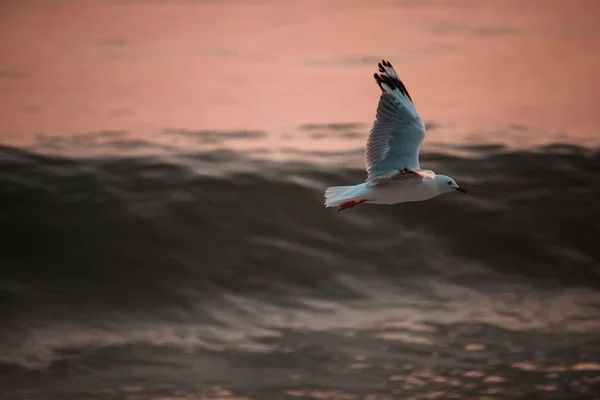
392	154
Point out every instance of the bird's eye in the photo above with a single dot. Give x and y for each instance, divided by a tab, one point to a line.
449	182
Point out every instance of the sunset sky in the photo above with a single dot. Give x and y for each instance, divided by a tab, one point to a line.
78	66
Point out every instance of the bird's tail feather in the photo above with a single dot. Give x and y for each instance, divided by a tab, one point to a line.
336	195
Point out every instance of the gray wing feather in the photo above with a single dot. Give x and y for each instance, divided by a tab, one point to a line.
398	131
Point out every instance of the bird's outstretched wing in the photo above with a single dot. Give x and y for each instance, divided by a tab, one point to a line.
398	131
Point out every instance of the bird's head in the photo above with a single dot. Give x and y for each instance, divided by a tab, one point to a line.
446	184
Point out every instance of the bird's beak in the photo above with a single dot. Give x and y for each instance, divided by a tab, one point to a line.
462	190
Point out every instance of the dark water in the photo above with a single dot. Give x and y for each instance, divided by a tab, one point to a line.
211	275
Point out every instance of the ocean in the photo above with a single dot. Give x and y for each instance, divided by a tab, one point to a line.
162	246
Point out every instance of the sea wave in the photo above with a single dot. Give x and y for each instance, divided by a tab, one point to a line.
223	253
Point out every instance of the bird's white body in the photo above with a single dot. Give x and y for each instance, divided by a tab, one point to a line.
392	193
402	192
392	154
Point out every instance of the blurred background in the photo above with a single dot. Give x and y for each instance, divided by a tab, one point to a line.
162	168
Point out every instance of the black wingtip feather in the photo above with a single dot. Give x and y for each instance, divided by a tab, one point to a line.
392	82
378	80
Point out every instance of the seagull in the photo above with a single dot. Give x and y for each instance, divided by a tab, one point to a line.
392	154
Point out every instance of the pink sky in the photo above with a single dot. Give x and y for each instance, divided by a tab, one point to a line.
75	66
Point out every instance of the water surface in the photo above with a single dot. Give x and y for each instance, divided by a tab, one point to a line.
161	185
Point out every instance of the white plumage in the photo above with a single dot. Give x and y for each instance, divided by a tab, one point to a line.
392	153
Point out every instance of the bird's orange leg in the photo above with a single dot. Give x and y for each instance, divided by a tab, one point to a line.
349	204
